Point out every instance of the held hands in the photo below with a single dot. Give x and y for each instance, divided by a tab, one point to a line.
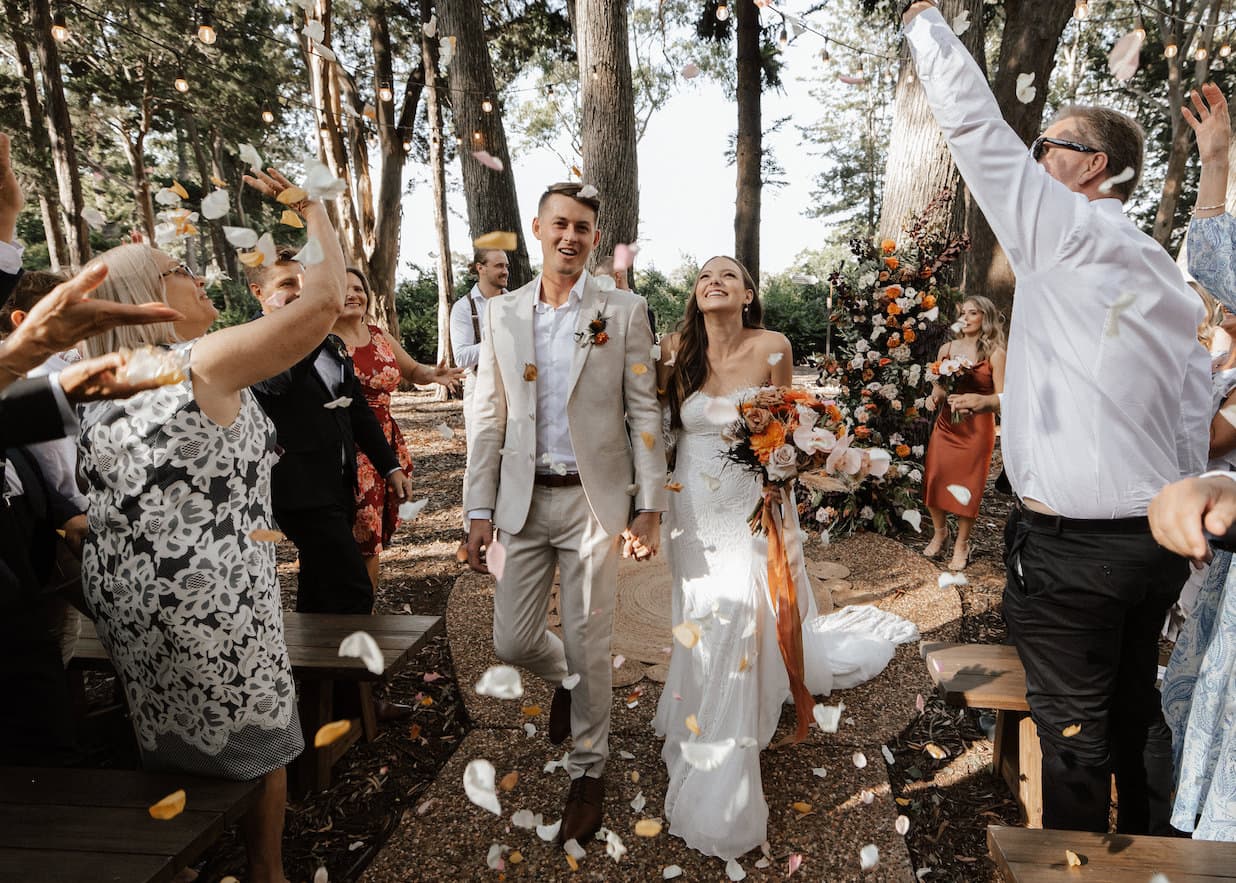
1211	123
642	539
1179	513
93	379
400	484
480	537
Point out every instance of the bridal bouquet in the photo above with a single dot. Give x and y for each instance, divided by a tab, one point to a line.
947	373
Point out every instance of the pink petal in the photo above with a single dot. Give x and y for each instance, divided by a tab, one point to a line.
624	256
488	160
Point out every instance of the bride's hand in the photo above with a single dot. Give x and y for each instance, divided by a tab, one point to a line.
642	540
1211	123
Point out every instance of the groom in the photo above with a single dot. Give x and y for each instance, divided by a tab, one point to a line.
565	366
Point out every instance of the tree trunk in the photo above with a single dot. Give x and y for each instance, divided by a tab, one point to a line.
60	136
750	140
33	113
919	166
214	229
492	201
1032	30
1203	15
437	174
607	118
134	145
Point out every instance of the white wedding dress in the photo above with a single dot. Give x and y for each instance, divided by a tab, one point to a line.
733	680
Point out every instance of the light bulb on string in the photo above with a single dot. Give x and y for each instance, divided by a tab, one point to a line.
407	147
60	27
181	84
825	55
206	26
385	92
783	39
1081	10
1200	53
1225	50
1170	49
1139	28
268	115
476	136
487	106
723	12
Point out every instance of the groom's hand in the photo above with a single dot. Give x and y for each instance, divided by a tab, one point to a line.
642	539
480	535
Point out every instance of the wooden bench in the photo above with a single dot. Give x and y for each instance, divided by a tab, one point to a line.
992	676
1028	856
73	826
313	648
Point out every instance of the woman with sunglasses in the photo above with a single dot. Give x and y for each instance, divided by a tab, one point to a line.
179	567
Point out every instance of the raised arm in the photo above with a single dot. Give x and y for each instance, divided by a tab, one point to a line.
414	372
1212	233
1031	213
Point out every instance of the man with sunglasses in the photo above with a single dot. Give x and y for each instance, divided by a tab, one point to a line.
1105	401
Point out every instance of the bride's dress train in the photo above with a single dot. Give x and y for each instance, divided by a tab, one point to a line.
733	680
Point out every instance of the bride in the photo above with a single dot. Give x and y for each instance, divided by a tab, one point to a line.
724	695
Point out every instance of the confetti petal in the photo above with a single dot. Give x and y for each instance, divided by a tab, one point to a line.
1071	730
775	358
804	279
323	50
488	160
341	402
935	751
523	818
867	797
362	646
902	825
614	846
827	717
960	494
495	558
795	862
690	70
478	782
240	237
1115	180
1115	311
262	535
961	23
500	682
624	256
445	431
95	219
914	518
169	807
860	759
574	850
1125	57
953	579
734	871
819	772
529	372
409	510
314	30
687	634
801	807
868	857
250	157
331	732
671	872
706	756
693	724
549	833
320	182
639	369
649	440
499	239
888	755
1072	859
215	204
266	248
309	255
570	682
589	192
289	218
619	660
1025	88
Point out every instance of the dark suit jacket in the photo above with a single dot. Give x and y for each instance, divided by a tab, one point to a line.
319	444
28	526
8	281
29	413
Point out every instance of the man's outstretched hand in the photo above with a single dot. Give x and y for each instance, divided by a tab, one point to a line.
92	379
1181	511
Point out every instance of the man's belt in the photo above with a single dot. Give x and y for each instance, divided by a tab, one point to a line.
552	479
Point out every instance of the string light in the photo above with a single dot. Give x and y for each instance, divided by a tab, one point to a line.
476	136
825	55
783	39
268	115
487	106
385	93
1225	50
1139	28
407	146
723	12
1200	53
206	26
182	85
1081	10
1170	49
60	27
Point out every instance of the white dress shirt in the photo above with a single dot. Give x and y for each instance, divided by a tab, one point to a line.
1107	390
10	256
464	342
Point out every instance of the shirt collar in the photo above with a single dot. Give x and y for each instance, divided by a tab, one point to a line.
573	299
1110	204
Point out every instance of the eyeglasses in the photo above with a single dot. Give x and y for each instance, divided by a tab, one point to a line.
181	269
1039	147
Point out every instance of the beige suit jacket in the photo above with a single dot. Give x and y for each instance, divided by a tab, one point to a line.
607	392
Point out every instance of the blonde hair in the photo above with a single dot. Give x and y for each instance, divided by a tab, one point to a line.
1214	314
133	277
991	333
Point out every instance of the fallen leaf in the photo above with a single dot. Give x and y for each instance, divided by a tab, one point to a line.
169	807
331	732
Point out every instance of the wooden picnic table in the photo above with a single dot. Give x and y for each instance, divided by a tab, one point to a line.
74	826
313	648
1024	855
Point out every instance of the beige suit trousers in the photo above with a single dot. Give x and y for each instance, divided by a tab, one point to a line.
561	530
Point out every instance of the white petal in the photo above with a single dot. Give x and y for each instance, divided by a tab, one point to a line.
869	857
827	716
804	279
713	483
626	755
961	23
493	858
314	30
734	870
548	833
960	494
639	802
93	217
569	682
250	157
488	160
867	797
589	192
574	850
614	846
311	254
478	782
266	245
445	431
409	510
632	490
1125	57
914	518
1126	175
341	402
530	730
525	819
430	28
624	255
500	682
1025	88
362	646
720	411
687	633
320	875
215	204
323	50
240	237
902	825
820	771
878	460
888	755
860	759
706	756
775	358
690	70
605	283
1115	311
167	196
669	872
319	182
747	742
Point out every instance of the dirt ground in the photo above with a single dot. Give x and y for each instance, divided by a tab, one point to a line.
951	801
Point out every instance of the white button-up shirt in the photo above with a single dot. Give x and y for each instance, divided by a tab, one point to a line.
1107	390
465	343
553	337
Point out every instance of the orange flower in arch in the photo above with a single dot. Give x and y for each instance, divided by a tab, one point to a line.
885	361
888	246
894	309
768	440
911	412
929	301
893	292
862	432
908	335
892	263
903	450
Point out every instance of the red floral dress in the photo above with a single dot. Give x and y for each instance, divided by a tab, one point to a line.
377	510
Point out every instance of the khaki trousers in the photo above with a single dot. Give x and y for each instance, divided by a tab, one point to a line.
469	391
561	531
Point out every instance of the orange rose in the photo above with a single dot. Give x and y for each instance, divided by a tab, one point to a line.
758	420
884	275
884	362
862	432
934	368
929	301
911	412
891	263
894	341
797	395
867	374
888	246
768	441
902	450
892	292
834	413
909	336
894	309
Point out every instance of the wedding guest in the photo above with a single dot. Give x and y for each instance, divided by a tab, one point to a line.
380	363
605	267
493	270
179	577
11	201
959	451
1105	401
321	418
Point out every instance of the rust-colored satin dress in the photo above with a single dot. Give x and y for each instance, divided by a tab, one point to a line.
960	453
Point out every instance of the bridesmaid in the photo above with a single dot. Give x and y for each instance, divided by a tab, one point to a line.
959	454
380	363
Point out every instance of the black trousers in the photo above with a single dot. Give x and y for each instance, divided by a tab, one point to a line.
332	577
1084	607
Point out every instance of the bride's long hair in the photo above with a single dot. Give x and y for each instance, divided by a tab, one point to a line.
991	333
691	361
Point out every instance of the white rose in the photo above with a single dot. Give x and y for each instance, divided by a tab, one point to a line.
916	476
782	463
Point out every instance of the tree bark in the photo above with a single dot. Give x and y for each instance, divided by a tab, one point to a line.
492	201
214	229
919	166
1032	30
133	142
437	174
33	113
607	119
750	139
60	136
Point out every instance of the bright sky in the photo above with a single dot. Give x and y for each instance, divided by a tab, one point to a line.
686	189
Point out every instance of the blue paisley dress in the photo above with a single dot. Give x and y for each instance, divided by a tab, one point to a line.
1199	688
185	601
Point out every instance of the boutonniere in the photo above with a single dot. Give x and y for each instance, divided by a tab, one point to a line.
529	371
596	334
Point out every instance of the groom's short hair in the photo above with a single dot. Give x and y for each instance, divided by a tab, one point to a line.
570	189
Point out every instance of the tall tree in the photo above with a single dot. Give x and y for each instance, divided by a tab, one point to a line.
919	165
608	118
491	198
437	174
750	141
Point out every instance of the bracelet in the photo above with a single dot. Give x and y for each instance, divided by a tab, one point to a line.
1209	208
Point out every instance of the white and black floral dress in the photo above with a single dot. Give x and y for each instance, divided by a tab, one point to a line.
186	603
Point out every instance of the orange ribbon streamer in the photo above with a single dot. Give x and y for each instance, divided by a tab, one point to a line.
789	623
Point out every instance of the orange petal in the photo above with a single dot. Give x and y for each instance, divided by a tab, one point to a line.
217	181
251	258
647	827
499	239
529	371
1074	860
292	195
509	781
673	486
531	710
289	218
693	725
1071	730
169	807
801	807
179	190
649	440
639	369
331	732
262	535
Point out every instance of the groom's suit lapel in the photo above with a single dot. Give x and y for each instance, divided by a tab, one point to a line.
591	303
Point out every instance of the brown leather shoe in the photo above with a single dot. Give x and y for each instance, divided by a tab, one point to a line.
560	716
581	819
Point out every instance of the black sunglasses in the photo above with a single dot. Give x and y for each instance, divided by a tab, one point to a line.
1039	147
181	269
